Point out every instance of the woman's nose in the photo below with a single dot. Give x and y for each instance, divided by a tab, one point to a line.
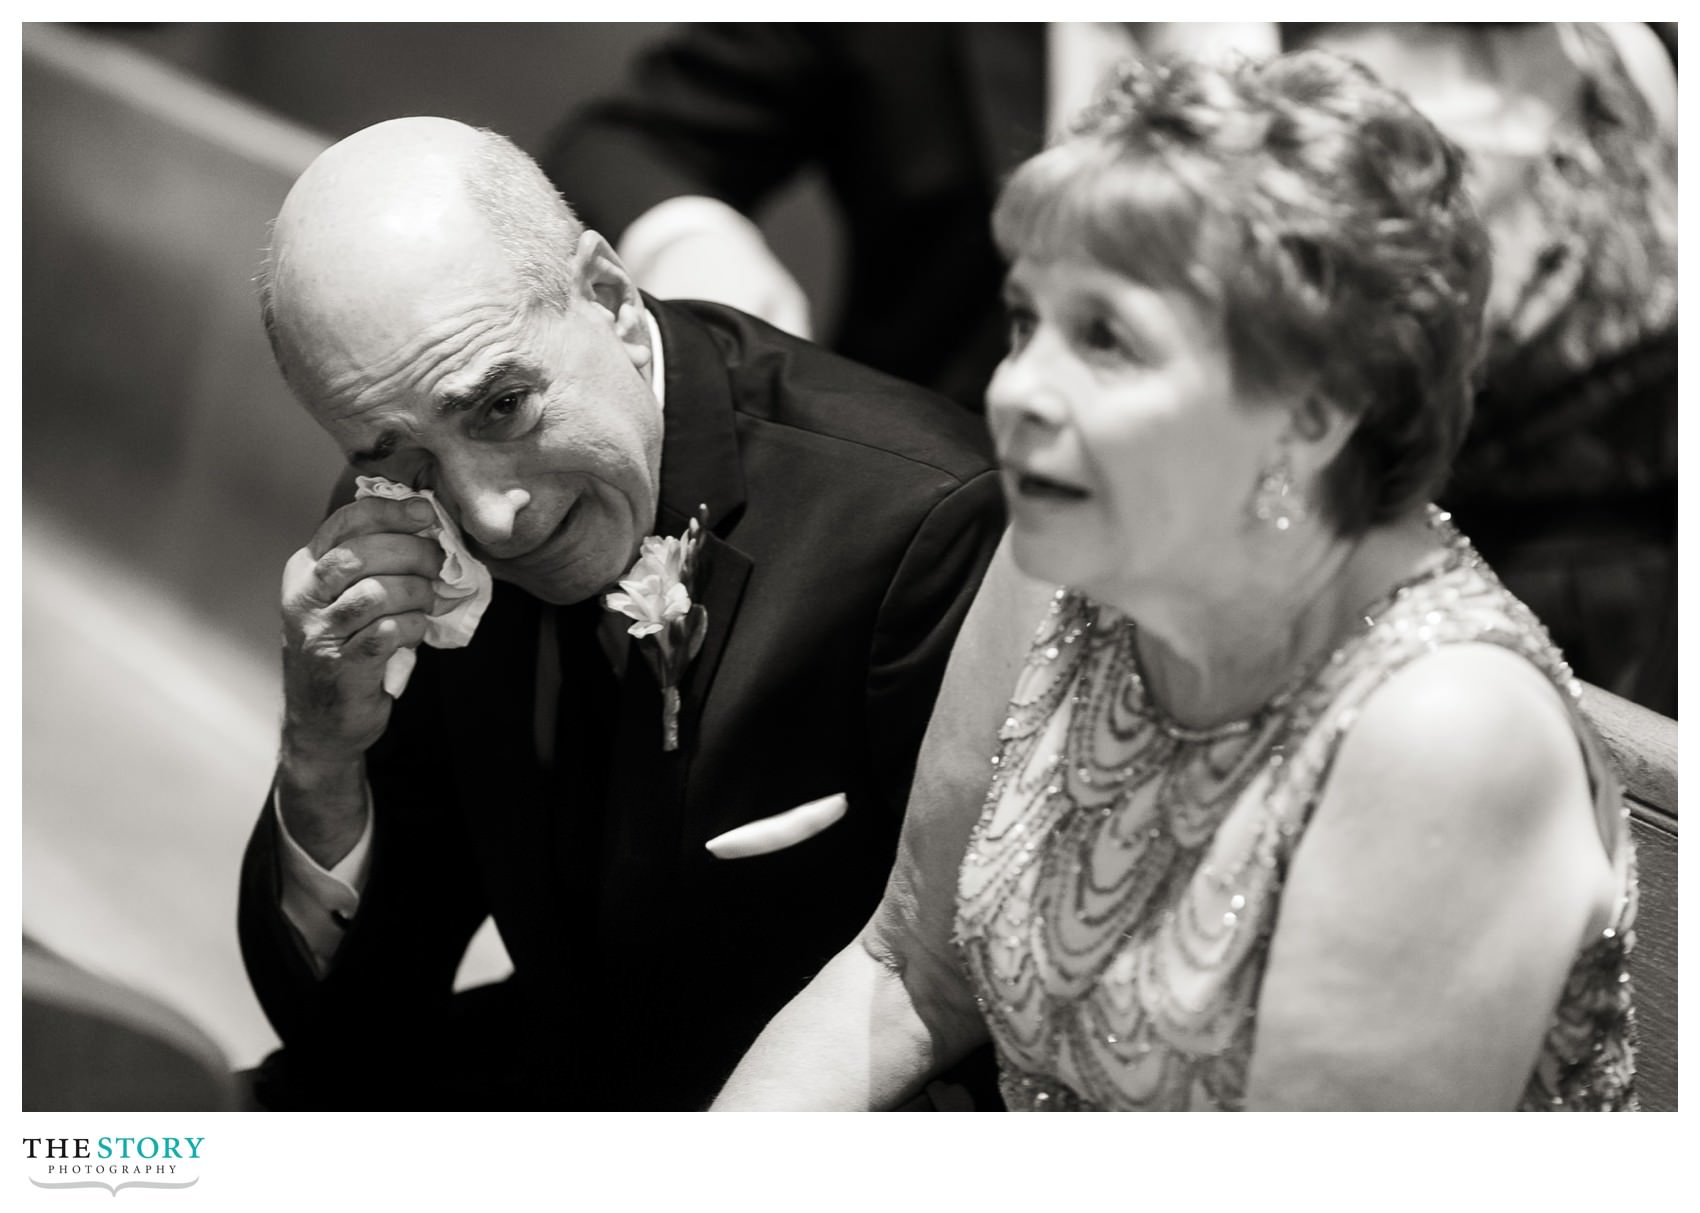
1021	392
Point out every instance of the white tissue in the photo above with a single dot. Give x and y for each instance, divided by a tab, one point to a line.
463	581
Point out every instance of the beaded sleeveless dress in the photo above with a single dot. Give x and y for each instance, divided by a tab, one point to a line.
1117	899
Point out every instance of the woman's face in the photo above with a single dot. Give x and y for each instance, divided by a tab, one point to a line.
1128	460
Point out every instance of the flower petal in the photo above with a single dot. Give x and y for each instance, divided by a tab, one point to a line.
653	591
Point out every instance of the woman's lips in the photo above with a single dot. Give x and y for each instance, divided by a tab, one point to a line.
1033	486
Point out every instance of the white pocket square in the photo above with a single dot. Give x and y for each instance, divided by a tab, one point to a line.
781	830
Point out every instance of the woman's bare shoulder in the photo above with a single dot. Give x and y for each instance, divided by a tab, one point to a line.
1438	897
1468	727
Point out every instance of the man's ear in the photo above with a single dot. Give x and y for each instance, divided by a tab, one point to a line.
600	279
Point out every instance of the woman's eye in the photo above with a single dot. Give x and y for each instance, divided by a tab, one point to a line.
1099	336
1021	324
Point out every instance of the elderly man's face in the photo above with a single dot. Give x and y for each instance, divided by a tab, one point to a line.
533	424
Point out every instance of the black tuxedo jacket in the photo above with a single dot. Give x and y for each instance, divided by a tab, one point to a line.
915	127
850	517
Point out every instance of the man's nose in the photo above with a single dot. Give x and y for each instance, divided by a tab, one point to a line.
487	510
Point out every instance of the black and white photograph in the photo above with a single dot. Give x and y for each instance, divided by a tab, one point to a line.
678	566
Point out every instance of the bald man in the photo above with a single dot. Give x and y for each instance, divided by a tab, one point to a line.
440	312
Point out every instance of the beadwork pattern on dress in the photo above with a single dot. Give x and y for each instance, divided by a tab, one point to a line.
1119	891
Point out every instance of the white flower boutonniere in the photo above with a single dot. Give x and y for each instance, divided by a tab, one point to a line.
669	627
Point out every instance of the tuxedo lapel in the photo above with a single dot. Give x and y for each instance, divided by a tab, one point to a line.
1004	66
722	572
701	468
646	779
699	446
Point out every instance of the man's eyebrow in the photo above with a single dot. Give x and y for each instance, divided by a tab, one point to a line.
379	451
457	401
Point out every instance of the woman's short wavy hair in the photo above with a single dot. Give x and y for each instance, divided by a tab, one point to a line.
1318	215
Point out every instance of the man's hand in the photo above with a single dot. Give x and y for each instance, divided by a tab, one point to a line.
359	590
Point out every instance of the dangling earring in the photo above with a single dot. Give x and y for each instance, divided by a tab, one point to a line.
1278	500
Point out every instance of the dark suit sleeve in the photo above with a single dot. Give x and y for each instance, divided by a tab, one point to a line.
725	110
388	987
922	612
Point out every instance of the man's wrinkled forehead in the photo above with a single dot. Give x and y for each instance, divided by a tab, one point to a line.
346	301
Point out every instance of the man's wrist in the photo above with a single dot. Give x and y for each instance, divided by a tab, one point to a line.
322	803
321	903
647	238
312	769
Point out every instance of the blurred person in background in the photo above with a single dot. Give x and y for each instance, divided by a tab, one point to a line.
1568	482
438	309
1293	805
914	127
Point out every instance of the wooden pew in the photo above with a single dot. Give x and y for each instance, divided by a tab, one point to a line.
90	1044
167	475
154	421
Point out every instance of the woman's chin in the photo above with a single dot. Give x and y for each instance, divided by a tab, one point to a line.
1040	552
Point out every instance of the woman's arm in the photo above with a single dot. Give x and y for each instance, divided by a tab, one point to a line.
853	1040
1437	900
893	1007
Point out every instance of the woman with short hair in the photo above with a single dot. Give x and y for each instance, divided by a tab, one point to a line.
1293	804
